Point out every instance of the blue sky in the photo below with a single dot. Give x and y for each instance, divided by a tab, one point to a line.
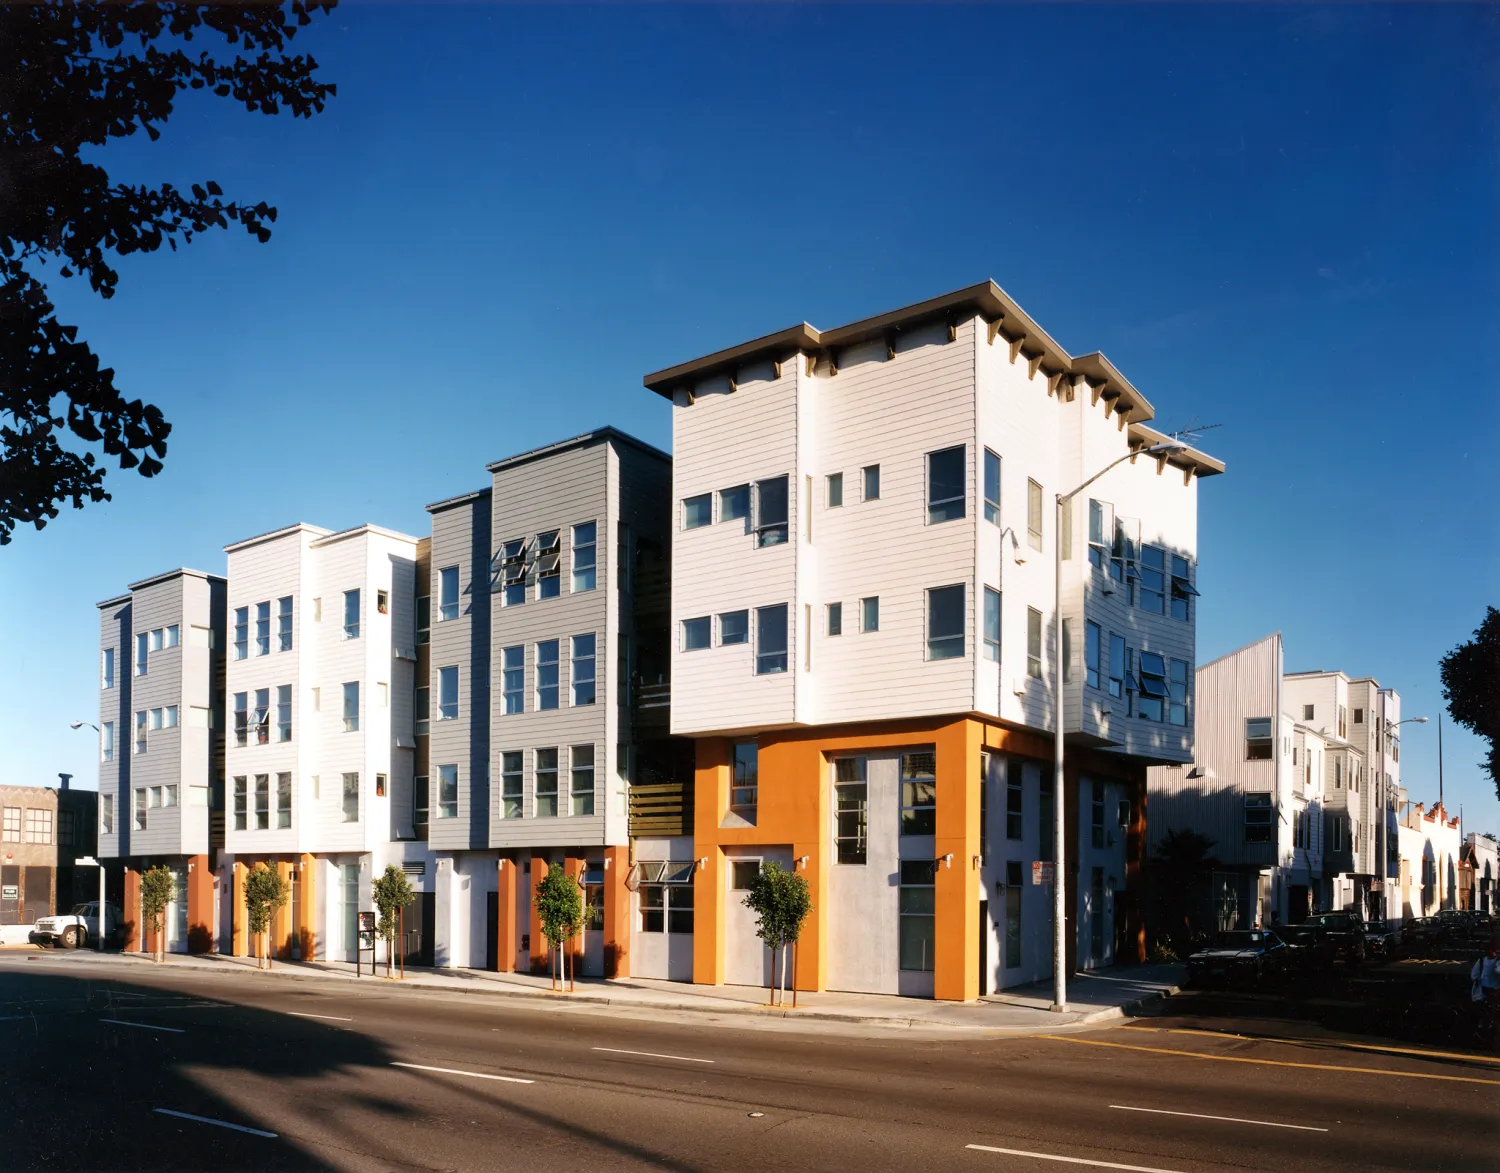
1281	219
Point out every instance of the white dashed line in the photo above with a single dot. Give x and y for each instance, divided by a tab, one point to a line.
1229	1119
329	1017
145	1026
651	1055
984	1148
470	1074
219	1123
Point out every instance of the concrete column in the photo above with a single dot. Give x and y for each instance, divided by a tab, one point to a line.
200	895
281	923
237	934
540	957
307	907
505	928
617	912
130	913
955	974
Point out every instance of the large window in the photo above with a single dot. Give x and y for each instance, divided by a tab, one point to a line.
1015	799
771	517
734	627
107	669
262	802
582	669
511	784
945	622
284	623
851	810
283	801
546	782
1258	743
1091	638
350	805
351	614
12	825
1034	514
549	564
38	825
1154	690
546	674
1033	643
447	792
581	761
1177	683
351	707
448	693
585	556
770	639
697	633
918	914
263	628
1259	818
513	678
946	474
991	487
1116	665
283	712
744	790
447	594
698	511
992	624
919	793
1152	592
241	799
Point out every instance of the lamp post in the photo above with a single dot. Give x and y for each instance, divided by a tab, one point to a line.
1059	799
1385	814
89	860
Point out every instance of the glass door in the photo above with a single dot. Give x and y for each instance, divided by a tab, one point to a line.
349	881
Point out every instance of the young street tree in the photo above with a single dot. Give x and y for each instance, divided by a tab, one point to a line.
72	77
158	886
265	892
1471	686
393	892
559	906
782	901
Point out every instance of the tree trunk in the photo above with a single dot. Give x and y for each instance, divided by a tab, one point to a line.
572	970
772	991
552	969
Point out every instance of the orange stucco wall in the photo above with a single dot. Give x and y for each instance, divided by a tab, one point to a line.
616	912
307	904
200	894
239	934
505	915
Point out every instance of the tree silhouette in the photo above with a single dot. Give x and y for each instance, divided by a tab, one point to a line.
158	887
1471	686
392	892
781	900
74	76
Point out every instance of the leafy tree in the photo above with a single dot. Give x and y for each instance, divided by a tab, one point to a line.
781	900
265	893
75	76
1471	686
559	906
393	892
158	887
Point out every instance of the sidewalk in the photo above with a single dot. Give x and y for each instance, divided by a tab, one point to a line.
1112	994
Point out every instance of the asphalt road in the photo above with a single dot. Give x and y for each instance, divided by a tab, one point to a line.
200	1070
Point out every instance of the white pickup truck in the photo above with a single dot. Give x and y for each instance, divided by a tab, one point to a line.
79	927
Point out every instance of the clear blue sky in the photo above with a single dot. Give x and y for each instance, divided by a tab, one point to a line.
1278	218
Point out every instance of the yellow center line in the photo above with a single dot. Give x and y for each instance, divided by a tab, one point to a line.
1378	1047
1274	1062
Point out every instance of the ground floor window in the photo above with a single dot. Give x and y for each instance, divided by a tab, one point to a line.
666	895
851	794
593	896
918	909
1013	890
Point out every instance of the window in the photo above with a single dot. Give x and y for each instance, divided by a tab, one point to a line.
155	719
106	814
1015	796
1116	665
945	485
513	678
1177	683
12	831
263	629
351	707
871	476
447	792
1182	589
1101	531
1153	580
38	826
350	805
1013	889
918	919
283	712
1067	650
284	623
1258	739
1338	773
549	564
510	784
241	632
318	610
262	802
1096	815
1258	818
241	718
581	759
697	633
743	873
424	619
991	487
1034	514
240	811
744	788
260	717
770	639
283	801
351	614
835	490
546	783
945	622
107	668
734	504
546	674
1307	712
140	808
1343	721
140	654
422	707
698	511
448	693
1359	716
734	627
156	640
420	809
447	594
1336	841
919	793
513	572
771	527
851	810
992	624
582	669
585	561
140	732
1033	643
1153	682
107	741
383	605
1092	636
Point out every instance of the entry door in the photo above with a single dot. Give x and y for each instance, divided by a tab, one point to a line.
349	883
295	903
593	923
176	918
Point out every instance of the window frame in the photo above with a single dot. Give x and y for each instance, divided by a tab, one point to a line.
512	784
698	511
538	772
851	812
584	556
583	667
447	803
992	471
734	504
869	477
833	624
548	669
869	614
581	798
352	603
284	620
448	610
951	507
1257	741
775	661
349	798
513	679
447	707
697	633
1034	652
1036	514
744	779
777	531
834	490
743	617
1093	639
917	817
351	722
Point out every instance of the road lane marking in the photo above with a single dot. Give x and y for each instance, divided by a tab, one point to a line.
211	1120
984	1148
145	1026
470	1074
1275	1062
1419	1052
329	1017
650	1054
1230	1119
12	1017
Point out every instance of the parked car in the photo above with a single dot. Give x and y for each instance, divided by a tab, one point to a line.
1346	931
1238	955
74	929
1423	933
1307	950
1383	938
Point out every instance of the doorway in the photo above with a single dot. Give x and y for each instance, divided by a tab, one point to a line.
349	890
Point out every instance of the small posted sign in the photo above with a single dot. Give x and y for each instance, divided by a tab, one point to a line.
1041	872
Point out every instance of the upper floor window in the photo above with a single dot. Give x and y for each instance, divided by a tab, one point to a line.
107	741
447	792
851	810
835	619
422	700
1091	639
581	760
12	830
870	474
351	707
835	490
263	628
171	635
283	712
1307	712
1182	589
1154	691
945	484
697	633
241	632
1153	580
447	594
351	614
744	786
698	511
284	623
772	527
546	674
992	624
1034	514
1258	739
513	678
1259	818
1101	531
734	504
582	669
241	718
262	716
734	627
448	693
424	619
869	613
919	793
945	622
991	487
584	556
511	795
1177	682
513	572
140	731
140	654
350	798
107	668
771	639
1033	643
1116	665
546	782
107	814
549	564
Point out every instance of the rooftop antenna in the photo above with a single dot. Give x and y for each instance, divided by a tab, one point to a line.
1440	763
1193	431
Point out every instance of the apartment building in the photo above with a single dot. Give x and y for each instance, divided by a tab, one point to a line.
1375	729
43	829
320	692
1479	867
863	634
161	748
1430	846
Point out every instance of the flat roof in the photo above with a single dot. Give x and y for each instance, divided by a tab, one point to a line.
114	602
586	440
360	530
180	572
270	535
461	499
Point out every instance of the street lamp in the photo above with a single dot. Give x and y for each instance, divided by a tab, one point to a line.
1385	814
1060	802
88	861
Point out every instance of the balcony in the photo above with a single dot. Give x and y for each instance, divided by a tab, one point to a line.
661	809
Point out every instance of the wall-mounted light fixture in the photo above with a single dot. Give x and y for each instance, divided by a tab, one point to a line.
703	864
978	862
948	860
802	862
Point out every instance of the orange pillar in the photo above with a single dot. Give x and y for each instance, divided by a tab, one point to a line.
540	957
616	912
130	914
710	803
574	869
281	925
505	928
955	974
237	932
307	903
200	895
